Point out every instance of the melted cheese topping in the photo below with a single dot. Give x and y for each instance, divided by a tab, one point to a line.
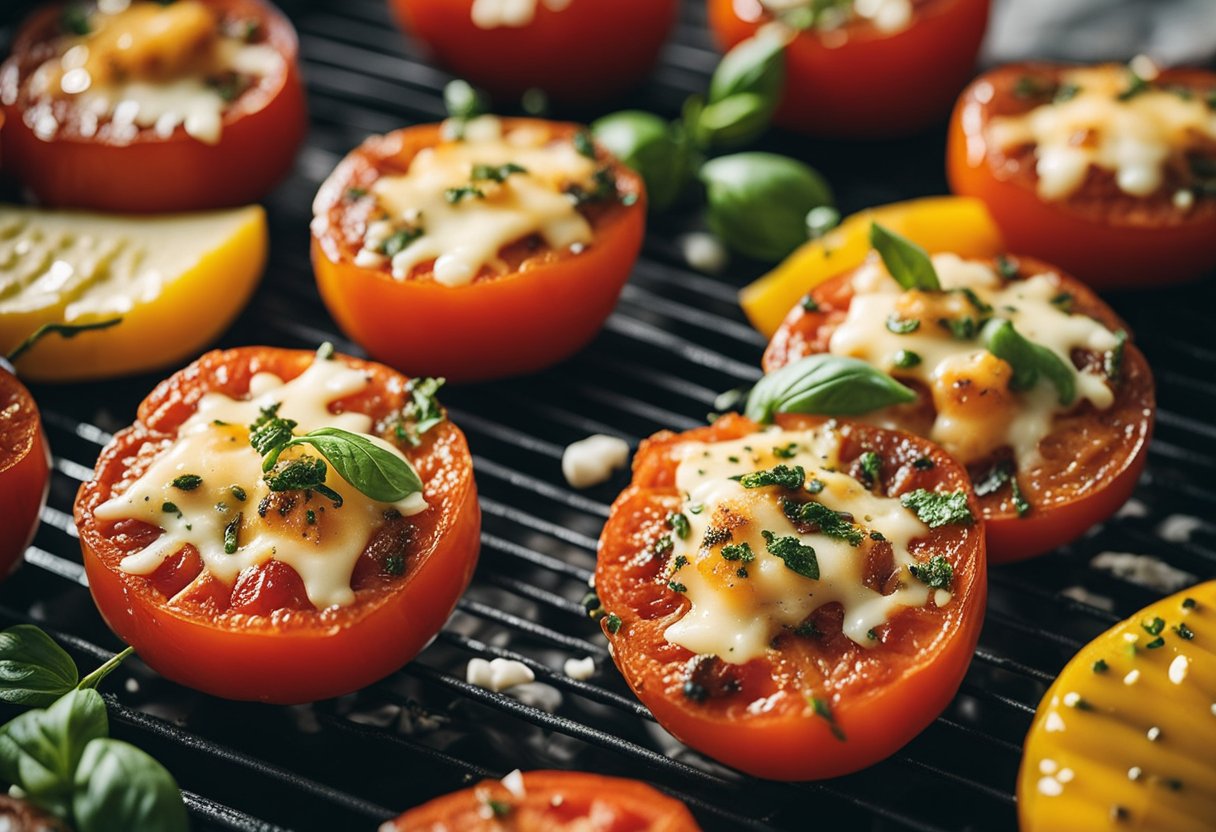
214	444
736	618
887	16
493	14
1134	138
147	65
977	414
463	237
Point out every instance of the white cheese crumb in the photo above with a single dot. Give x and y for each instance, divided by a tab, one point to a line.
941	598
497	675
1184	200
1055	723
591	461
704	252
1065	775
514	783
579	669
1071	699
1143	570
1153	734
1132	677
1178	528
1047	766
1084	596
1178	669
1133	508
1134	773
1050	787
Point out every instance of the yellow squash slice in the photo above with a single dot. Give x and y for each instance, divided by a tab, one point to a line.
1125	739
176	280
940	223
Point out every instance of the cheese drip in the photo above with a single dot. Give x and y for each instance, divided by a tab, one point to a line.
736	618
464	236
147	65
887	16
1134	138
513	14
214	444
973	428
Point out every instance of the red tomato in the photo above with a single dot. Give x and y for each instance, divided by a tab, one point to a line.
857	81
576	51
1106	237
757	716
79	167
261	638
25	467
553	801
1092	458
548	306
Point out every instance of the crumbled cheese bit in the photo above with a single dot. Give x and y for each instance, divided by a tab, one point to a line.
579	669
1050	787
1153	734
1178	528
1132	677
1178	669
1071	699
498	675
1135	773
591	461
1048	766
514	783
1143	570
703	252
1054	724
1065	775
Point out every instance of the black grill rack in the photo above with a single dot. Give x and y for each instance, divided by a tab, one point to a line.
676	339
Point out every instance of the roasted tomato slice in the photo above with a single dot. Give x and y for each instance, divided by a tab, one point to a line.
551	801
157	107
498	253
889	74
25	466
800	622
1035	495
1107	173
300	590
573	51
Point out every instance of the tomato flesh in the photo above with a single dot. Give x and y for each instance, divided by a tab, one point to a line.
261	638
1092	459
755	716
25	467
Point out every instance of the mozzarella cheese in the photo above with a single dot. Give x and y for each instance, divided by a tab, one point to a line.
591	461
513	14
887	16
736	617
146	65
466	235
1134	138
214	444
976	413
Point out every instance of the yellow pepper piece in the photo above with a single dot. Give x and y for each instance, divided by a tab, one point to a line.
1125	739
177	281
939	223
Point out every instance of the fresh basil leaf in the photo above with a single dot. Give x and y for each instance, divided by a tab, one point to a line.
907	262
34	670
40	749
755	65
653	147
829	385
463	101
757	202
120	788
376	471
734	121
1029	360
797	556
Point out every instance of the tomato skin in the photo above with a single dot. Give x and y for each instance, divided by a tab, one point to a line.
292	655
628	805
179	173
25	468
1104	251
585	52
874	84
503	325
1068	504
879	708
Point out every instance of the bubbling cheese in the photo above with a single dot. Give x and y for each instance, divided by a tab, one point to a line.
148	65
1135	138
214	444
887	16
977	414
735	617
466	235
513	14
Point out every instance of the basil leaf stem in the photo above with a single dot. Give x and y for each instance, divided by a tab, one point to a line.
62	330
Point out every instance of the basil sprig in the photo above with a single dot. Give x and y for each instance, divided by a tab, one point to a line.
824	384
743	93
61	758
1028	360
907	262
62	330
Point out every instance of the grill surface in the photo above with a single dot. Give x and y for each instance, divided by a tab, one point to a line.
676	339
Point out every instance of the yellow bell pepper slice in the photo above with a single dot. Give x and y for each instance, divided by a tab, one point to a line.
177	281
939	223
1125	739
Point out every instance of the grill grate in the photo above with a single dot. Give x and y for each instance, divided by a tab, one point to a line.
675	340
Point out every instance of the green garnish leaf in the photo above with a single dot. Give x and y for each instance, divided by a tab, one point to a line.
936	508
738	551
495	173
187	482
796	555
871	468
907	262
1112	362
906	359
612	623
377	472
902	326
679	524
825	384
998	476
828	521
400	240
824	711
782	476
423	411
1100	666
269	431
1184	632
1153	626
455	195
232	533
937	573
1029	360
34	670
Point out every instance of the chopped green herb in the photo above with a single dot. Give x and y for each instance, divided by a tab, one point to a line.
809	304
1029	360
495	173
715	535
231	533
170	508
1006	267
455	195
676	586
923	464
1001	473
739	551
394	565
400	240
269	431
871	468
663	546
902	326
353	194
1066	92
499	808
807	629
829	522
1184	632
679	524
871	635
305	472
1028	86
696	509
1153	626
1159	641
1188	603
906	359
815	486
961	329
584	144
1100	666
824	711
796	555
936	508
603	186
977	303
1112	362
238	492
679	563
1135	86
786	451
310	517
781	476
741	571
612	622
937	573
1063	301
187	482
